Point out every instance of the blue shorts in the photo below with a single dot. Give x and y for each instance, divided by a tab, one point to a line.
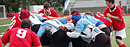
99	23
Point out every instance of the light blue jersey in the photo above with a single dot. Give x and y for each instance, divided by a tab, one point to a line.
93	20
41	18
81	25
43	26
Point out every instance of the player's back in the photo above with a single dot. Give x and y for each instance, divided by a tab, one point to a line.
17	19
20	37
15	22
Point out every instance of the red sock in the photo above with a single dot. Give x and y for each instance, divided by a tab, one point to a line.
123	45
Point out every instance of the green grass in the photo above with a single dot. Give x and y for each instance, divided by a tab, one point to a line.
5	21
126	40
3	29
127	23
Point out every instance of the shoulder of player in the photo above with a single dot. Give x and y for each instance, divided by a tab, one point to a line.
41	11
13	29
118	7
81	21
52	10
107	8
16	14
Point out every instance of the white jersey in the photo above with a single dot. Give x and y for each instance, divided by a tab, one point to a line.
54	22
35	20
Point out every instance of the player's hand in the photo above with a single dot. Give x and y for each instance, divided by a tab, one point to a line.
64	29
108	15
61	27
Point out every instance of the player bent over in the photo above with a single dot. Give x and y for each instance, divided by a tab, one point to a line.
52	27
86	34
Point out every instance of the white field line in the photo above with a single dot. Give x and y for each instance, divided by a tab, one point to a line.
4	25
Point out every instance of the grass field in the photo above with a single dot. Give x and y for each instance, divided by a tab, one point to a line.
126	40
5	21
2	22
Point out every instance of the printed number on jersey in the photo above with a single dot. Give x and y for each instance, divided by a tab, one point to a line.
21	33
12	23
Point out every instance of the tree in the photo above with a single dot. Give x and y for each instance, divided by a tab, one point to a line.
13	5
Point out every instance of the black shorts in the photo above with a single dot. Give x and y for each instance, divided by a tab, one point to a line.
101	40
79	42
110	28
45	40
59	39
35	28
106	30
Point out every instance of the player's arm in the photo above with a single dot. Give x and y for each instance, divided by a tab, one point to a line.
41	30
41	11
102	15
63	20
114	17
78	29
6	37
106	14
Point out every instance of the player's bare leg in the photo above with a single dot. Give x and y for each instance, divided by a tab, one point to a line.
120	43
110	41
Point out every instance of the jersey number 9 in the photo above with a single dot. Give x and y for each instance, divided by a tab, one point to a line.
21	33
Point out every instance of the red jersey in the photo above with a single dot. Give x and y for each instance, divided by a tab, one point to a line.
16	21
104	20
0	43
20	37
117	25
53	13
121	7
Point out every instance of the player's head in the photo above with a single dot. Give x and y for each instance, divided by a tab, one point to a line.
47	5
74	12
26	23
25	14
47	8
89	13
75	19
75	16
110	3
120	3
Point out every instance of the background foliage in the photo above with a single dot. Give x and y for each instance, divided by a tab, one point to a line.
13	5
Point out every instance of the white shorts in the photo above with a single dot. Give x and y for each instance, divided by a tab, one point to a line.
120	33
111	33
